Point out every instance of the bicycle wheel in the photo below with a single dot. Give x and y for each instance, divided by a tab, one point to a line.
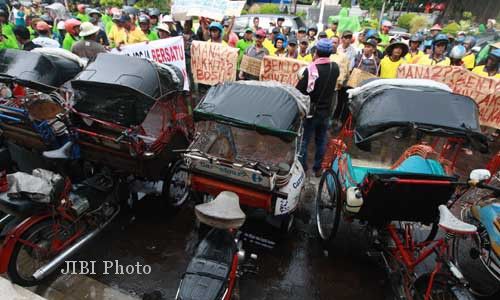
175	187
33	250
328	206
444	287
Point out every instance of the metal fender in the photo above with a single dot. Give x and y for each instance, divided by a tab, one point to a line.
293	189
13	236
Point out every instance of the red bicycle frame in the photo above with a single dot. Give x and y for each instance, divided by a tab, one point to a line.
405	252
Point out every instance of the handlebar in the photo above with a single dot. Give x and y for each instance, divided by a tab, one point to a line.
494	189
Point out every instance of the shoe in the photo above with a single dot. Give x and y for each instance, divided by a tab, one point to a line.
318	173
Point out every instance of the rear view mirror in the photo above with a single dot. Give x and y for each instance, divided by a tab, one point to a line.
479	175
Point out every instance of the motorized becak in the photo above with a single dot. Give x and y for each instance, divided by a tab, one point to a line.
121	112
247	142
393	201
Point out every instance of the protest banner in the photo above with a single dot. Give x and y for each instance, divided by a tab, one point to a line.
213	63
161	51
250	65
281	69
213	9
484	90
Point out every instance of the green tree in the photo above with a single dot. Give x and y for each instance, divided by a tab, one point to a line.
371	4
111	3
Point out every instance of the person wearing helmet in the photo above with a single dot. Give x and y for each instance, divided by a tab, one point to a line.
332	31
414	52
384	34
291	48
435	30
101	36
117	33
87	47
72	27
395	57
457	53
154	18
469	58
279	44
490	69
94	13
163	31
318	81
216	30
312	32
44	33
144	23
133	33
81	13
304	54
437	57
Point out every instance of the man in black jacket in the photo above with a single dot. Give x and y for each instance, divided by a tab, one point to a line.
318	81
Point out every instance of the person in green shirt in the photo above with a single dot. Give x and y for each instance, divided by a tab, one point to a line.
384	34
81	13
146	28
72	29
244	43
8	39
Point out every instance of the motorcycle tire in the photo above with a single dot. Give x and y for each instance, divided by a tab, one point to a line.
175	189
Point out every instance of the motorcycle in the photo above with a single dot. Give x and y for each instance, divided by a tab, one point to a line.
220	259
54	226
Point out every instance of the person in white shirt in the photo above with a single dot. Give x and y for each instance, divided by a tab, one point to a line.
346	47
44	38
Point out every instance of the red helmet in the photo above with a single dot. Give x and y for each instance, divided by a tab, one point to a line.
70	25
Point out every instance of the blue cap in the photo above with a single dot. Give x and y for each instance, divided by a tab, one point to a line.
216	25
324	45
495	53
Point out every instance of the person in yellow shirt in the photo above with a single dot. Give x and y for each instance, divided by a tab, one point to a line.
414	53
469	58
216	29
133	32
304	54
390	63
332	31
269	42
491	67
117	35
437	57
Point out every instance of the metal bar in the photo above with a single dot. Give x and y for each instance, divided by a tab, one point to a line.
19	110
6	117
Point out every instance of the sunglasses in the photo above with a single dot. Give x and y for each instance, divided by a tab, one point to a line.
260	36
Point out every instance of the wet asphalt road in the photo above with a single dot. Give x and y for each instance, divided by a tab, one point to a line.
296	268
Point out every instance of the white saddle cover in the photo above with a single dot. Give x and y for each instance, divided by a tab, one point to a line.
223	212
450	223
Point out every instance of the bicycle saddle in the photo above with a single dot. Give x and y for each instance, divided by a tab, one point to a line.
61	153
452	224
223	212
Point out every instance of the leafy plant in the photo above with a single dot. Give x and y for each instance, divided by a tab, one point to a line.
405	19
346	3
163	5
269	8
418	23
451	28
467	15
254	9
371	4
111	3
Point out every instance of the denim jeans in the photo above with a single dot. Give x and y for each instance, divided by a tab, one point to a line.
317	125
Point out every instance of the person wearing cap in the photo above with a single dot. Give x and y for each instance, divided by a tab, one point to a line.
414	51
384	34
94	13
368	60
72	30
154	15
144	23
301	33
244	43
279	24
394	58
303	54
117	33
44	39
81	13
22	35
437	56
163	31
216	32
435	30
332	31
174	28
311	35
257	50
291	48
361	38
279	44
269	42
133	33
456	55
347	48
101	36
87	47
490	69
318	81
